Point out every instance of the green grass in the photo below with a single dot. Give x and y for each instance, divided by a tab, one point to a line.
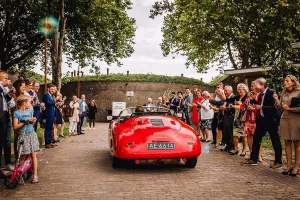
267	143
137	78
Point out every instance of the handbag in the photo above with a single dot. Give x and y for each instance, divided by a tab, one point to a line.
295	102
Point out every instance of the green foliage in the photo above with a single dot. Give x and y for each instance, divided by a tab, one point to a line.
19	38
249	32
99	30
277	75
95	30
137	78
218	79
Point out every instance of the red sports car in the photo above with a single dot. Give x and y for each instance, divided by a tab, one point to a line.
152	136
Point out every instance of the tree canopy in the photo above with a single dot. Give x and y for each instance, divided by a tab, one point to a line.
249	32
95	30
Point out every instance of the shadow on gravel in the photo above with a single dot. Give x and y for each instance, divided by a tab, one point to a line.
104	161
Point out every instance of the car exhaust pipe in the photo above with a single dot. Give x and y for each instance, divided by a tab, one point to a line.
160	162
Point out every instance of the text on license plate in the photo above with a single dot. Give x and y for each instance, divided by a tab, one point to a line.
161	145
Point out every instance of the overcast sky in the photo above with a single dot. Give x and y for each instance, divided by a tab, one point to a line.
148	57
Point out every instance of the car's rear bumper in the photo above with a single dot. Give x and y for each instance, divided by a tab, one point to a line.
157	154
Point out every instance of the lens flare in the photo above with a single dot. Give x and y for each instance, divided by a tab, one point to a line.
48	26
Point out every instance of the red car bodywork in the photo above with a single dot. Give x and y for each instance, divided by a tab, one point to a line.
129	139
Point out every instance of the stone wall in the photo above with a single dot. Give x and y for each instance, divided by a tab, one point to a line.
107	92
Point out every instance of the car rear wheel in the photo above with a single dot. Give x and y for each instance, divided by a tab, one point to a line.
115	162
191	162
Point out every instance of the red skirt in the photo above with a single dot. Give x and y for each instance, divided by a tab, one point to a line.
195	116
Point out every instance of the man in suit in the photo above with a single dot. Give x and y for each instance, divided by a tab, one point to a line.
267	120
188	106
49	102
6	103
228	119
82	113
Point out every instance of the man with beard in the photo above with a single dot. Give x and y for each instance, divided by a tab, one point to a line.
49	115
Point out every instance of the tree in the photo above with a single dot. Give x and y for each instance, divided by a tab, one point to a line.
95	30
90	31
250	32
19	38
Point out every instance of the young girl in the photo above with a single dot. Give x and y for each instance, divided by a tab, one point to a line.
23	123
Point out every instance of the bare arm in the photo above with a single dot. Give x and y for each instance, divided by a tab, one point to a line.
16	124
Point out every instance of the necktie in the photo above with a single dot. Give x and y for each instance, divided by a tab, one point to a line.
260	97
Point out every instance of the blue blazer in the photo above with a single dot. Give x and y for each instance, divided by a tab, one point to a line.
50	105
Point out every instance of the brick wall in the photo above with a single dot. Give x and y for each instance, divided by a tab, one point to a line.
107	92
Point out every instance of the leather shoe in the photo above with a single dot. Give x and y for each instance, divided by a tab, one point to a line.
49	146
275	165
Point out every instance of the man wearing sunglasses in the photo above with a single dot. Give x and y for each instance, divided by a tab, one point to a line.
267	121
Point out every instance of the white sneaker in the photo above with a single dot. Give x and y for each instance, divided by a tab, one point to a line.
93	128
90	128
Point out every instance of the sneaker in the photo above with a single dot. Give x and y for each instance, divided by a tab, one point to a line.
90	128
93	128
10	167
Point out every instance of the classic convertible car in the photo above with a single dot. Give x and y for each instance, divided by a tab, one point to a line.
154	136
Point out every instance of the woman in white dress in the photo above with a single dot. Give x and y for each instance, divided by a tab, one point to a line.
74	105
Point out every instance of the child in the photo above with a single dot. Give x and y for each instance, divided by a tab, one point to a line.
23	119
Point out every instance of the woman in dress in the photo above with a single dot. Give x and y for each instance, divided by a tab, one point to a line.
206	116
20	90
250	124
92	110
289	122
59	120
74	119
238	131
195	113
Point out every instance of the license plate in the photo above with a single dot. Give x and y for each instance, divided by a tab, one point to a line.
161	145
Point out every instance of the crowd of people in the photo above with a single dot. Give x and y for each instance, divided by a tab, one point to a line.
225	120
21	111
222	119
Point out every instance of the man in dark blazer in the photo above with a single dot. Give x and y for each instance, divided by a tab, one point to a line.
267	120
49	115
6	104
228	119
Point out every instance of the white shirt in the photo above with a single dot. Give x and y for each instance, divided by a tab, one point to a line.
262	102
206	111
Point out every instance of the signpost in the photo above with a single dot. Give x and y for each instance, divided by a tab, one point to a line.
130	93
47	27
117	107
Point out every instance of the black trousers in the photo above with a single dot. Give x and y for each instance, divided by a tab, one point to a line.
92	121
264	125
228	136
214	126
5	137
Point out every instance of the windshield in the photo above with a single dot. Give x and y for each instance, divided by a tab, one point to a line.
145	111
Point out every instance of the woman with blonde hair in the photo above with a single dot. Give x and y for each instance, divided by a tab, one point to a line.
289	122
239	119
